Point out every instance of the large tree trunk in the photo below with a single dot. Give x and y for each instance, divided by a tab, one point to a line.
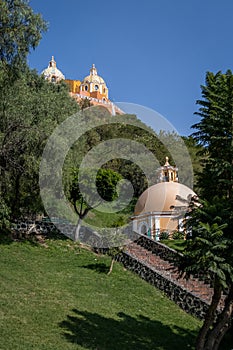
220	337
209	318
222	324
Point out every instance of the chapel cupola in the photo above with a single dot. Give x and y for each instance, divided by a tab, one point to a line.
94	86
167	172
52	73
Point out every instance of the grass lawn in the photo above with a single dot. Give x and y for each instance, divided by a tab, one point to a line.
59	297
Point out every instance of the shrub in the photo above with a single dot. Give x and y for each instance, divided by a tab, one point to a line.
164	235
177	235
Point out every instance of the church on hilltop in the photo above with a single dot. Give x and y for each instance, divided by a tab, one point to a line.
91	89
160	209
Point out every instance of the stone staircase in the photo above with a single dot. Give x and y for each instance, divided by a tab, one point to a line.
157	264
168	270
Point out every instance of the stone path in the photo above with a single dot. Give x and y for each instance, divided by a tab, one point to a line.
199	288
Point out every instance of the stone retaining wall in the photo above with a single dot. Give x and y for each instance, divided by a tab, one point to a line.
24	228
186	300
166	253
158	248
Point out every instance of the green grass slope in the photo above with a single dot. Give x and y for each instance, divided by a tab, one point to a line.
58	296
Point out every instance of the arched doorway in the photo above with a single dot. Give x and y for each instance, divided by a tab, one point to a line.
144	229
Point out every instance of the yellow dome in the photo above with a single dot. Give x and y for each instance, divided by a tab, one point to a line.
52	73
164	196
93	77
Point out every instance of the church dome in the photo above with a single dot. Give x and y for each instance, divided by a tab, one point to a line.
52	73
164	197
94	86
93	77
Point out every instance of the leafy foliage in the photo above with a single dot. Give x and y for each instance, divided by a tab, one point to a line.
209	251
85	194
20	30
30	108
177	235
4	215
215	133
105	186
209	223
164	235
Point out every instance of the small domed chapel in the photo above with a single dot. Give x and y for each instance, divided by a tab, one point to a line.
160	207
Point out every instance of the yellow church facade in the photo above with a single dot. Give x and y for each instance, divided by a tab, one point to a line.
92	87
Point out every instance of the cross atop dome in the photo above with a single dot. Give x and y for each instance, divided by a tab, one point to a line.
93	70
167	162
52	63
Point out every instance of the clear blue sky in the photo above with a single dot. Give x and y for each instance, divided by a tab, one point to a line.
152	52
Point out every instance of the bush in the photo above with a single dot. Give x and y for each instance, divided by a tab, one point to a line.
177	235
164	235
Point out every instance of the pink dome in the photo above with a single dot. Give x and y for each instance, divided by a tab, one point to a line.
162	197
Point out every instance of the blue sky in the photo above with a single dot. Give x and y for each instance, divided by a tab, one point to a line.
153	52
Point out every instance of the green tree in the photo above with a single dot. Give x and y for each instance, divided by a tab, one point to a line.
209	253
210	246
195	150
4	215
20	30
215	134
84	103
85	195
30	109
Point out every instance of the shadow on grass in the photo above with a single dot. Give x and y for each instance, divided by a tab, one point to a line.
96	332
98	267
6	237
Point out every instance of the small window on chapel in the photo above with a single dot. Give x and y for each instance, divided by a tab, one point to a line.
86	88
96	87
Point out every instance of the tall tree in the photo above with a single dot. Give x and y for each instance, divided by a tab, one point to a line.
215	134
209	250
20	30
30	109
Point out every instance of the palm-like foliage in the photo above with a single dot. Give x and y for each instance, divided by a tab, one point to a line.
215	133
209	253
209	249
